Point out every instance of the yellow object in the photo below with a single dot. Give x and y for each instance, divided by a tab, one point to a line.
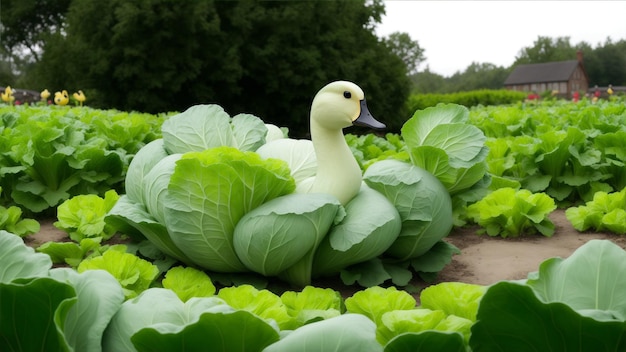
61	98
80	97
610	91
45	94
7	96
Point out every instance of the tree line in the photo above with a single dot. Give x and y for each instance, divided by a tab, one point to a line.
605	64
266	58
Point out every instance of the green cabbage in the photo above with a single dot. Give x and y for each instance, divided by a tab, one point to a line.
422	201
200	223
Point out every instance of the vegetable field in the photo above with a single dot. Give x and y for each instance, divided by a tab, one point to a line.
148	256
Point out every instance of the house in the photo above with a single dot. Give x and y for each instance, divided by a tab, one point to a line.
564	77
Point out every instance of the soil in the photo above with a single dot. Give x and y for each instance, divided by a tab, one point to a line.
483	260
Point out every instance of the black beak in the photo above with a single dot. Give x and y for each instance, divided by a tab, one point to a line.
366	119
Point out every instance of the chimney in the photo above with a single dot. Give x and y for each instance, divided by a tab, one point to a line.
579	56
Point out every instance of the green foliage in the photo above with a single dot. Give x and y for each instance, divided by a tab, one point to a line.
188	282
370	148
467	99
297	48
133	273
83	216
508	212
605	212
567	150
407	49
52	153
11	220
573	304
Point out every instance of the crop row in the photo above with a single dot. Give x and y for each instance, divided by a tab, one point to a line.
572	304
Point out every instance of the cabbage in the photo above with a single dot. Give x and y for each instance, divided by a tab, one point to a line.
423	203
206	126
199	222
212	194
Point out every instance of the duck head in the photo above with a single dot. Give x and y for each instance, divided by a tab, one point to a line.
342	104
336	106
61	98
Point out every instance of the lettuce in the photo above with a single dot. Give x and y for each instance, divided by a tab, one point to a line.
133	273
312	304
188	282
607	211
375	301
509	212
262	303
83	216
453	298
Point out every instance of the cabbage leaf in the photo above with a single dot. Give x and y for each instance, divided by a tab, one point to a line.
199	221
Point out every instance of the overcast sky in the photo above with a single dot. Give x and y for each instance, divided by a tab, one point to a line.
456	33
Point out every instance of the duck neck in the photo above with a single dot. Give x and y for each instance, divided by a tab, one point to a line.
338	173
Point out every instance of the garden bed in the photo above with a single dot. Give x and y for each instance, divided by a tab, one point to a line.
483	260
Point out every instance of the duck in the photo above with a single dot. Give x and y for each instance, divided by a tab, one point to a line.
61	98
332	169
80	97
221	224
7	96
45	94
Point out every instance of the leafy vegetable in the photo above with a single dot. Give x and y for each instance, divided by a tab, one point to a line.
453	298
50	154
72	253
83	216
312	304
157	319
348	332
11	220
262	303
133	273
188	282
202	226
421	200
203	127
283	234
606	212
398	322
576	303
375	301
441	140
55	310
509	212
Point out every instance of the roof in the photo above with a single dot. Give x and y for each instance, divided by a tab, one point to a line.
558	71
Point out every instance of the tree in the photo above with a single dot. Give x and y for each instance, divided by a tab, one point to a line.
428	82
407	49
25	24
264	58
478	76
546	49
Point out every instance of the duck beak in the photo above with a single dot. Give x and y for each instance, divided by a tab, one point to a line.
366	119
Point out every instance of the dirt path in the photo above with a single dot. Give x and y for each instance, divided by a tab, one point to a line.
483	259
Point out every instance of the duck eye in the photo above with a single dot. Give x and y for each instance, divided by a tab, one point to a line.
347	95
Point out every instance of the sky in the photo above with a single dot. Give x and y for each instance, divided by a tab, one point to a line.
456	33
